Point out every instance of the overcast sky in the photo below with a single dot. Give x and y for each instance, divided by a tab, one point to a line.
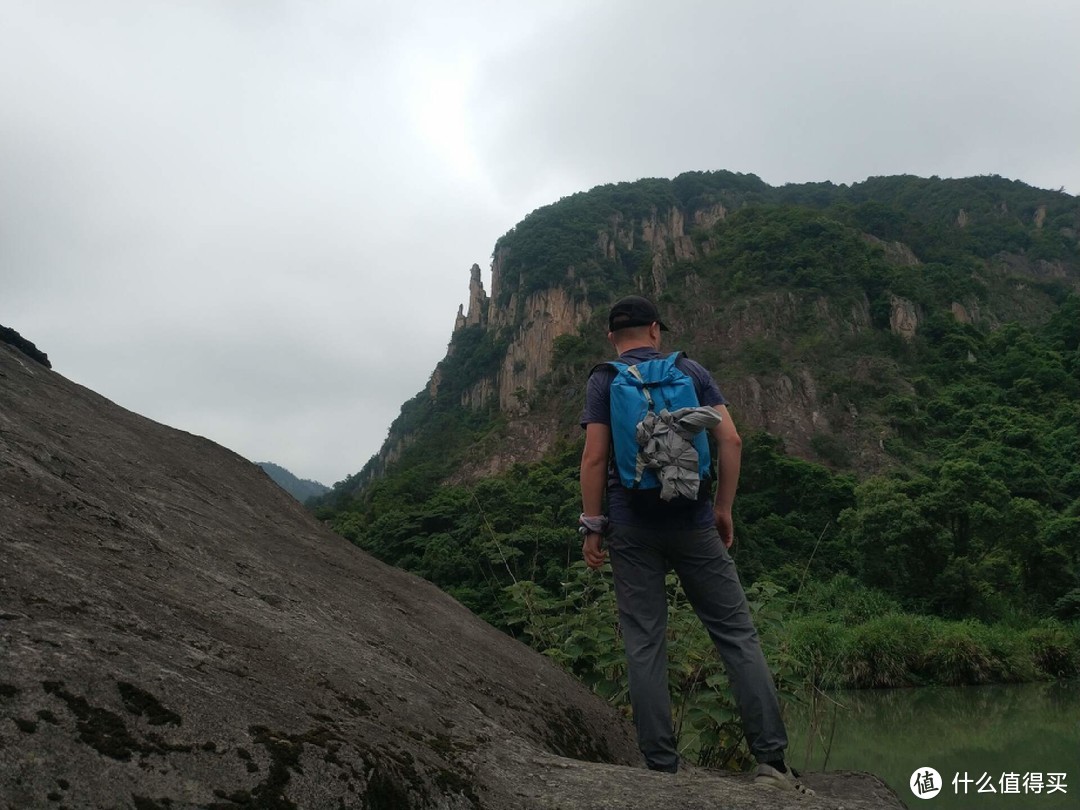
254	220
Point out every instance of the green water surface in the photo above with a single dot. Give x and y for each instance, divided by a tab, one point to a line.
993	730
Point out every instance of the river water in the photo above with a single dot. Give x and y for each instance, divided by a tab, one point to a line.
998	736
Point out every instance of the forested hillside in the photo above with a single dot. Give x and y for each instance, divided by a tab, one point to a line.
299	488
901	356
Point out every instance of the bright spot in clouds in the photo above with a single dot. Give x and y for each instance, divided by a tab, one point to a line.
439	104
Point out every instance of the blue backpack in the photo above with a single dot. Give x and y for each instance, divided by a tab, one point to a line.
653	385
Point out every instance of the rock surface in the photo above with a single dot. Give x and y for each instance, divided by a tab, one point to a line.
13	338
177	632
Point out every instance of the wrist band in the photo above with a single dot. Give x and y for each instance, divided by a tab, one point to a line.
596	524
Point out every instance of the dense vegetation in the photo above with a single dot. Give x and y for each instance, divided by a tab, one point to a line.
918	212
954	557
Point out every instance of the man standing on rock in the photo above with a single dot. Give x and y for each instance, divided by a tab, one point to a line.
653	529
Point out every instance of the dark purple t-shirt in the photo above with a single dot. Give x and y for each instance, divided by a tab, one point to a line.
621	509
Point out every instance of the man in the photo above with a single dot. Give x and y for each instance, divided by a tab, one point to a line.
648	537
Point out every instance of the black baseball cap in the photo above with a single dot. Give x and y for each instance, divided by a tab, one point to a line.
633	311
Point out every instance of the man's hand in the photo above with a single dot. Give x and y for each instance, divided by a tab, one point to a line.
729	452
594	554
724	525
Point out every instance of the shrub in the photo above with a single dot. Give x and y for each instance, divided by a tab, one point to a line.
882	652
1054	650
1009	657
955	655
815	645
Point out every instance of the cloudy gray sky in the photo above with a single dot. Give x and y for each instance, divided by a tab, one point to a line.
254	219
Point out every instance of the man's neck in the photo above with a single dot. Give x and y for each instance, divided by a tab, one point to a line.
630	346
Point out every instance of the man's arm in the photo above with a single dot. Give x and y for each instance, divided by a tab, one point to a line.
729	452
594	459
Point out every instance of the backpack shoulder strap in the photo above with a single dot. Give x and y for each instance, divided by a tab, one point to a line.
613	365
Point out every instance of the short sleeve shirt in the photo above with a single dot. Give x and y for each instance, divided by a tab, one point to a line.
598	410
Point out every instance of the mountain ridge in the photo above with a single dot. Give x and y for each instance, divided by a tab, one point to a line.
725	256
877	351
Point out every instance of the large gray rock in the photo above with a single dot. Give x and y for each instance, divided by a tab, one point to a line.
177	632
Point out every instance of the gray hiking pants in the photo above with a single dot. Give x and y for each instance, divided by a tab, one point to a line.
640	560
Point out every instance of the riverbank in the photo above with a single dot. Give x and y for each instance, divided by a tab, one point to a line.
902	650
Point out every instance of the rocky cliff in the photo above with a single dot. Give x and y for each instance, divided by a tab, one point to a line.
789	295
177	632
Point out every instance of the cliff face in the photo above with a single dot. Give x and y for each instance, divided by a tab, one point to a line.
547	314
177	632
787	403
748	278
536	319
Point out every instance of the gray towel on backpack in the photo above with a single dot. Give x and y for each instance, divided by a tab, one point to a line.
667	447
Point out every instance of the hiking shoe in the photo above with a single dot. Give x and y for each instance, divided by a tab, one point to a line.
765	774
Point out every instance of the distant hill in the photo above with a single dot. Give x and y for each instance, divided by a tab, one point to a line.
299	488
